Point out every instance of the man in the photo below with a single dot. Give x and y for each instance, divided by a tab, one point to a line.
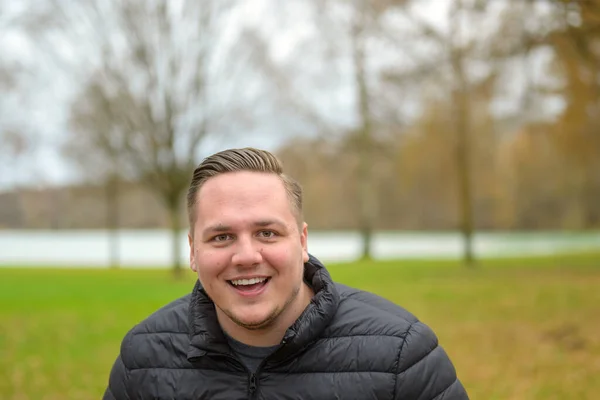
265	320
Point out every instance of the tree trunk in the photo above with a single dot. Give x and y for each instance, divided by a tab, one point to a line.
588	192
112	220
463	137
464	177
365	162
174	209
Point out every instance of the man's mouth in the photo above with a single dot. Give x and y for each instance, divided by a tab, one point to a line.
249	285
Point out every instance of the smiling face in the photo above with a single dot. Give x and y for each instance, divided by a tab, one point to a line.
249	251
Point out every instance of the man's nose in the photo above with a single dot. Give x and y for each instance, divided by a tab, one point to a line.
247	252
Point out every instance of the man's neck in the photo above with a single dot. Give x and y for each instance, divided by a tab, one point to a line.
273	334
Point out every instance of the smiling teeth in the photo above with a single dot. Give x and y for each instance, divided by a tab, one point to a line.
252	281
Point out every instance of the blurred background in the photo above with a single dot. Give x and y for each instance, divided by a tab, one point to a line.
449	152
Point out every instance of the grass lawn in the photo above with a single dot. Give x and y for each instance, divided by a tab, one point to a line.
515	329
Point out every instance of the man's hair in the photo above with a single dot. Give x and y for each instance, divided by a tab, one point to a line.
235	160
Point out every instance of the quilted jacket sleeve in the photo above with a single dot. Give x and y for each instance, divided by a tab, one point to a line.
425	371
117	384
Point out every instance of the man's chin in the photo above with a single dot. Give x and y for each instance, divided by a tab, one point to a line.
256	322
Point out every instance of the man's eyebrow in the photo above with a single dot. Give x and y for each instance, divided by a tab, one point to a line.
268	222
226	228
217	228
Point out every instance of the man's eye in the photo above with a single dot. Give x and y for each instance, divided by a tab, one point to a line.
221	238
267	234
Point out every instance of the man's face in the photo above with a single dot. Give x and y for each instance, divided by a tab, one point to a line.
247	248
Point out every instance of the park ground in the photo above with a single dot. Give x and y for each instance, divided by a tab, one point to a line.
515	329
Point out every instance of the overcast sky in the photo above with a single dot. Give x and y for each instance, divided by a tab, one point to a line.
45	112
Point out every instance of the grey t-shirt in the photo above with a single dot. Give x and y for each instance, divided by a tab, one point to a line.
251	356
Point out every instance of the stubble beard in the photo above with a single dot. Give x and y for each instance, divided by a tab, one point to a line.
271	318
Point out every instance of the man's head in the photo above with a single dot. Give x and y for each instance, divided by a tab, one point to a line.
238	160
248	243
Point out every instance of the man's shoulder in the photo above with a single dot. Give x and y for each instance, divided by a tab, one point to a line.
172	317
366	313
150	341
381	326
377	332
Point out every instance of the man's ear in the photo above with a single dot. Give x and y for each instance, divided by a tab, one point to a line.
192	257
304	241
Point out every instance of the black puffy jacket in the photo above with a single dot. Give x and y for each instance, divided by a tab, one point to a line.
348	344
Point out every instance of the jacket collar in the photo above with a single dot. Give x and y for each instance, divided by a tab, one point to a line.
206	335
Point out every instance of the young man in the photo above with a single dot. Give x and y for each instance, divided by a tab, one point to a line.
265	320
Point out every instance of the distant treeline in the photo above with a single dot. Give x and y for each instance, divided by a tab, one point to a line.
520	181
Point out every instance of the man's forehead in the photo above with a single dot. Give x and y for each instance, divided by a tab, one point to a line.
241	181
227	197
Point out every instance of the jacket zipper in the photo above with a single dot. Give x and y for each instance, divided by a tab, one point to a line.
252	388
252	383
254	379
253	376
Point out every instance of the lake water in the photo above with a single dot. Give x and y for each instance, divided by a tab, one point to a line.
152	248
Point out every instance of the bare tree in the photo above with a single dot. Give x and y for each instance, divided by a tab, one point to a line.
149	107
367	213
464	139
449	67
10	141
344	31
14	140
156	81
370	25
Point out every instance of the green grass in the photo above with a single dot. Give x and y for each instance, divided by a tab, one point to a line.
515	329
